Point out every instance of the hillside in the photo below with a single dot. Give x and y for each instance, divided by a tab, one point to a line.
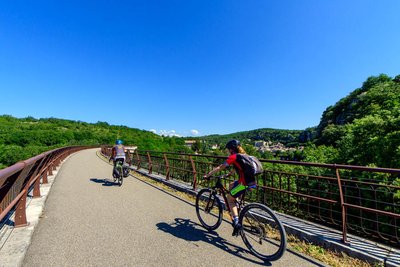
286	137
23	138
362	128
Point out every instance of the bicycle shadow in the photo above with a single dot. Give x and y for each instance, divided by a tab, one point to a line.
104	182
190	231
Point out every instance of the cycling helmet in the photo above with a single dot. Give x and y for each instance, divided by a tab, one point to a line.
233	144
118	142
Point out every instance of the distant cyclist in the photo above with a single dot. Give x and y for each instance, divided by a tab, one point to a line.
236	188
118	153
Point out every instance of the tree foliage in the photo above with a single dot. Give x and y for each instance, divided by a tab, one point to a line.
365	125
23	138
362	128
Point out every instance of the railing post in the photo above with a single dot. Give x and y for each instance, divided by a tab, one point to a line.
37	174
55	164
36	188
166	167
20	211
342	204
50	169
150	164
194	173
129	158
45	180
138	160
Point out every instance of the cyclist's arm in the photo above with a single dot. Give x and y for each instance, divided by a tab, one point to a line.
216	169
232	172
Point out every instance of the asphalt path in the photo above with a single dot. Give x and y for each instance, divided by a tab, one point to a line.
90	221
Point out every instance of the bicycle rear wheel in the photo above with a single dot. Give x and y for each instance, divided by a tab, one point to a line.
209	209
121	176
262	232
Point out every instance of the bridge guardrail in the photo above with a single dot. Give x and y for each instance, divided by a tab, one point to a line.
355	199
19	179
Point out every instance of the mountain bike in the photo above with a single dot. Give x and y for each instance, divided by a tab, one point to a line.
119	167
262	232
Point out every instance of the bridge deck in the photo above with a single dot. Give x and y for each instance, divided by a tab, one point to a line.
89	221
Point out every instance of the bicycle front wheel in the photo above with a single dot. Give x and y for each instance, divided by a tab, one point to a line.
209	209
262	232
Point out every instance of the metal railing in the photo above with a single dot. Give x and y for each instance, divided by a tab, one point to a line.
18	180
355	199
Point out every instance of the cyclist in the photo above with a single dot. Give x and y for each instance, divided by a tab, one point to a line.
117	154
238	187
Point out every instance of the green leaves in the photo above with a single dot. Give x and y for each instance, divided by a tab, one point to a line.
365	126
21	139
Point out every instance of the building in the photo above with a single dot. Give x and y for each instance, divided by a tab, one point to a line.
131	149
189	143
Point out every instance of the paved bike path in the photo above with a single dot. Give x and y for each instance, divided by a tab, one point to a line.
90	221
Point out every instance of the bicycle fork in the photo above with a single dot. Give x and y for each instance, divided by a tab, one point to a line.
210	202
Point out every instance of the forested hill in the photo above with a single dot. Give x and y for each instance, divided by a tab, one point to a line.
362	128
23	138
286	137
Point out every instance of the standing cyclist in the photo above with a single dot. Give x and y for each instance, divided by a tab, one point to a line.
236	188
117	154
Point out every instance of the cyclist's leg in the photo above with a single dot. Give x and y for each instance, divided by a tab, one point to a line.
236	190
114	165
115	170
231	201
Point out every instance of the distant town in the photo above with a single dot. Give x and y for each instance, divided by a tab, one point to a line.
261	146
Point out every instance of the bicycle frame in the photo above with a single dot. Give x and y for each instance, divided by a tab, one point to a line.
254	221
220	189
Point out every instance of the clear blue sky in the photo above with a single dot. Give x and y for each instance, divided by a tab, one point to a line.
211	66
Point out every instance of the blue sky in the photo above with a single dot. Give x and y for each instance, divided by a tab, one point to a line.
214	67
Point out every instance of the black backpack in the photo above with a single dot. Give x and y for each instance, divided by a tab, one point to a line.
251	166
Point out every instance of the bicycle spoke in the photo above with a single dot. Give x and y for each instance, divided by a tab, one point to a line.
262	232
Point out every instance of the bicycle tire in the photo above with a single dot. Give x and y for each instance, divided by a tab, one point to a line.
260	225
121	176
209	209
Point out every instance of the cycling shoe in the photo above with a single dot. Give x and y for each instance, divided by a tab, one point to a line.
236	229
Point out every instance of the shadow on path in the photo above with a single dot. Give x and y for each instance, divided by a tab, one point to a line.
189	231
104	182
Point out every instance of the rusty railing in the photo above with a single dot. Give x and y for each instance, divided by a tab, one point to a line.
18	180
355	199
